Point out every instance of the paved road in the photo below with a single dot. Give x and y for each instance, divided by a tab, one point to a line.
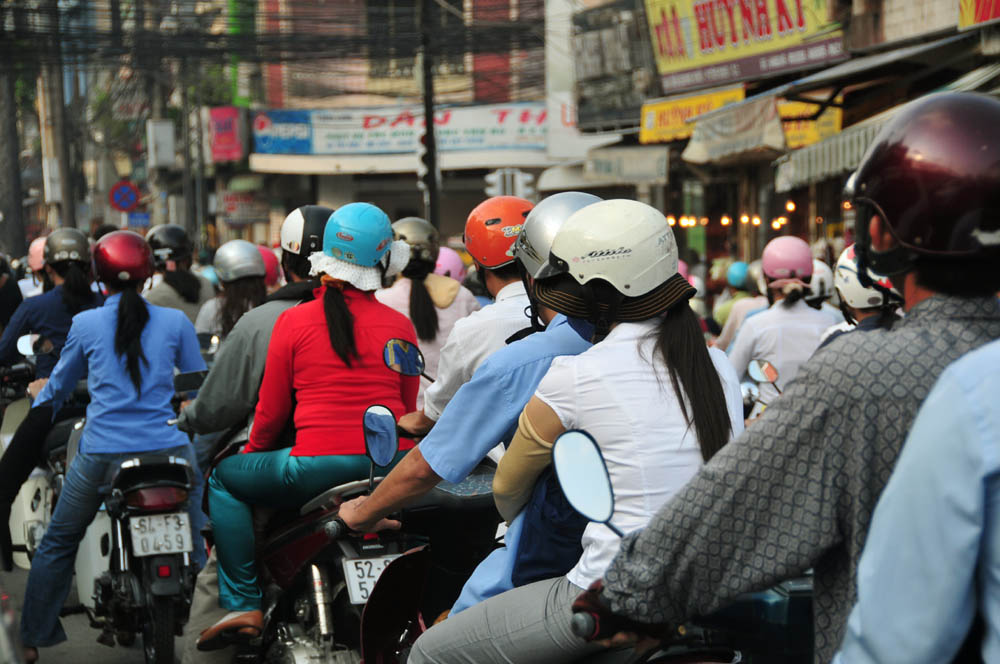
82	646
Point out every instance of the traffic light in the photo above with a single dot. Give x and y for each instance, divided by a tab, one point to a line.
495	182
426	164
524	184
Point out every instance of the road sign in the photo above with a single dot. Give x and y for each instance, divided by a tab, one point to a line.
138	219
124	196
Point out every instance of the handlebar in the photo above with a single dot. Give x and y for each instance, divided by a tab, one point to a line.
335	529
586	625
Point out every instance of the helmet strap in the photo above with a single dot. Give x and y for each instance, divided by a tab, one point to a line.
536	321
602	320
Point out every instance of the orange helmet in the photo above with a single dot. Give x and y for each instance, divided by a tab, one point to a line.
492	228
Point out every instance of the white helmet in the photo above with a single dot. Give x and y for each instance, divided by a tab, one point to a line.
237	259
626	243
850	288
534	242
821	282
302	229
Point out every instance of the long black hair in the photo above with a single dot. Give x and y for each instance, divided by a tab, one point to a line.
681	345
340	324
132	318
184	281
423	313
76	293
238	297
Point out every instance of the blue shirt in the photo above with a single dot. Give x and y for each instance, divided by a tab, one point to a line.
933	552
484	411
43	314
119	420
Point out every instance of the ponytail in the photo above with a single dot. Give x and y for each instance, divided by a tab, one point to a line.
132	318
681	345
340	324
76	293
423	313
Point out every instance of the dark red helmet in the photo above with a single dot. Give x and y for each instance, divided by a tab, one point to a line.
122	257
933	175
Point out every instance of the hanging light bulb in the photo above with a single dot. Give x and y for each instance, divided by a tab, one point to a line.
776	225
782	221
756	220
671	220
744	219
790	205
819	220
726	220
847	205
703	221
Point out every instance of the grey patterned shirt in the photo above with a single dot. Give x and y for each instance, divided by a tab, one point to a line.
797	489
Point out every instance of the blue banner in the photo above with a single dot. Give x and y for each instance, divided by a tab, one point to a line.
283	132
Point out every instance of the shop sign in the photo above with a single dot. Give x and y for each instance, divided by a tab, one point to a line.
976	13
393	130
800	133
701	43
627	165
240	208
667	120
615	72
752	132
226	133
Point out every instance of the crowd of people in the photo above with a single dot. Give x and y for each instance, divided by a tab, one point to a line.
578	313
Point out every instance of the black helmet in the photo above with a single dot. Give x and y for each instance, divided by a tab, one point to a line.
66	244
170	242
302	229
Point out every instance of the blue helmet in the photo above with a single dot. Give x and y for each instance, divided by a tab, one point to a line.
358	233
736	275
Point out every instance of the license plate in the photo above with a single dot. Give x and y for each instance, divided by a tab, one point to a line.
362	573
157	534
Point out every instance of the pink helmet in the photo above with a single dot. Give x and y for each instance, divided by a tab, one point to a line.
682	269
449	264
36	254
787	257
271	263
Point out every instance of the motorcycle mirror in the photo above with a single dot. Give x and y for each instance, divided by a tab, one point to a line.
404	358
26	344
381	438
762	371
583	476
213	344
751	393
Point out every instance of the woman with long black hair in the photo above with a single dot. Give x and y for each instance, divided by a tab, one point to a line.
658	402
432	302
241	271
129	350
324	368
174	285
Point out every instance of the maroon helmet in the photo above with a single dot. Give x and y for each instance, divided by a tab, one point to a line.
122	257
933	175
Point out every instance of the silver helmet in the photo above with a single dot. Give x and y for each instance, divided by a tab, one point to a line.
237	259
535	239
423	238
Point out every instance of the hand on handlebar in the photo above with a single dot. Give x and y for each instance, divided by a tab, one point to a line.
35	387
352	514
415	423
594	621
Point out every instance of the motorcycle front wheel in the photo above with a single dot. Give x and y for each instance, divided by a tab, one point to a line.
158	631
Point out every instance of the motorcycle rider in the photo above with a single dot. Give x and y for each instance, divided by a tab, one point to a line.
228	397
241	271
450	264
66	258
324	367
755	285
736	279
797	489
484	411
174	284
434	303
129	350
935	514
34	284
273	278
821	291
863	308
650	372
490	232
789	331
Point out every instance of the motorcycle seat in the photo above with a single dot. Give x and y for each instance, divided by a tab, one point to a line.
474	493
58	437
149	469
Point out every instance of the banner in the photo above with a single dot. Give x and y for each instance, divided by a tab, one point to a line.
394	130
667	120
226	134
800	133
239	208
976	13
627	165
699	43
753	133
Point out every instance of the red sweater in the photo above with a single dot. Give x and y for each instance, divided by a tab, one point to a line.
304	375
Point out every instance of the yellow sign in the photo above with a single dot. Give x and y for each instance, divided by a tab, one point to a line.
975	13
801	133
666	120
700	43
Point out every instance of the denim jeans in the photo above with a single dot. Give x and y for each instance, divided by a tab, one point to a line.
52	567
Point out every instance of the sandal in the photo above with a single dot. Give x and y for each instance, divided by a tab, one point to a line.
234	627
30	655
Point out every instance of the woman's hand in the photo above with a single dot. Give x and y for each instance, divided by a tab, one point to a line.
353	514
35	386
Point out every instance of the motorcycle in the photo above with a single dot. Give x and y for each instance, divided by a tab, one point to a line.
774	626
761	371
319	579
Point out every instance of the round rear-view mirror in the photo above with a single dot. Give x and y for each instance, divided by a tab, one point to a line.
762	371
381	437
583	476
403	357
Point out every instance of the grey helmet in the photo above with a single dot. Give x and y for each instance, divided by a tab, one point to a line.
237	259
535	239
66	244
423	238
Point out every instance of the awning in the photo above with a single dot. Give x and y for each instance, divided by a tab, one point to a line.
569	177
842	153
395	163
753	135
631	164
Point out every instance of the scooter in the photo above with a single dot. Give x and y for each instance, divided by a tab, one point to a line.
774	626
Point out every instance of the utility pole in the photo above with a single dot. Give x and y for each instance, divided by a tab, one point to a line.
190	222
11	197
429	157
57	102
199	182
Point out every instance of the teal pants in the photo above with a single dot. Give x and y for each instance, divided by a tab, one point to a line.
267	479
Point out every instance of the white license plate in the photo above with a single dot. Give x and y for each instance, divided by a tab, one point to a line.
160	533
362	573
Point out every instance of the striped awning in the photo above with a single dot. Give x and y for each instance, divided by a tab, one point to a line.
842	153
